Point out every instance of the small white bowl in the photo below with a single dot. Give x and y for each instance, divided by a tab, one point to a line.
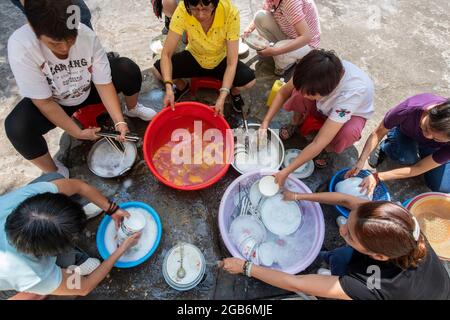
268	187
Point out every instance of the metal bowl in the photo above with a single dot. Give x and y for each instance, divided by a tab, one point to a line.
110	174
271	136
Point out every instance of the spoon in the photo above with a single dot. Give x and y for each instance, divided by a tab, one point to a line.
246	140
181	273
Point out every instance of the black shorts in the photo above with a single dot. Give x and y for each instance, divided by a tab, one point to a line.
184	65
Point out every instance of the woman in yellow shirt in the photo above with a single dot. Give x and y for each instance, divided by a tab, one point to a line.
213	32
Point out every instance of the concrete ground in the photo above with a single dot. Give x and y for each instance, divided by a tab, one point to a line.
402	44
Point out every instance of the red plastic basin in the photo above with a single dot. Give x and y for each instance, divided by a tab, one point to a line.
160	130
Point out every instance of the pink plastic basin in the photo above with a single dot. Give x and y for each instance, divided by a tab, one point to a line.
312	227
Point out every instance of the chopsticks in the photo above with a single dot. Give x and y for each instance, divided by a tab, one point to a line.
117	145
132	137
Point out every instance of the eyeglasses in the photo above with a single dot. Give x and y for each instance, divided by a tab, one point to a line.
201	9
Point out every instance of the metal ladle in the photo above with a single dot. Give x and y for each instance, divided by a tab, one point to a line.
181	273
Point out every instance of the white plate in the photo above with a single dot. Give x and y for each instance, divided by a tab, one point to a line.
266	253
156	47
281	217
247	226
268	187
243	48
255	194
192	263
256	42
305	170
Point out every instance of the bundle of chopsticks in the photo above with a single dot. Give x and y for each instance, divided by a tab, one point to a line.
110	137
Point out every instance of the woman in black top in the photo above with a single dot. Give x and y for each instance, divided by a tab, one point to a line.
387	257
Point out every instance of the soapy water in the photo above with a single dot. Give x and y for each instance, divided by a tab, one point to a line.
259	153
281	217
145	243
108	162
282	251
351	186
189	173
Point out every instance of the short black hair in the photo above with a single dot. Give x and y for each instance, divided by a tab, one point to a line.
319	72
194	3
46	225
50	18
440	118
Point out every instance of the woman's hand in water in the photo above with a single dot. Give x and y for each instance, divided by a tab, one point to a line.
262	131
232	265
368	185
130	241
281	177
118	217
218	107
169	99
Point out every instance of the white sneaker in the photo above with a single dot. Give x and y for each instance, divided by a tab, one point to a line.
62	169
92	210
140	111
324	272
341	220
87	267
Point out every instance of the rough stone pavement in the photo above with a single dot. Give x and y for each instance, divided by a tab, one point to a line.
402	44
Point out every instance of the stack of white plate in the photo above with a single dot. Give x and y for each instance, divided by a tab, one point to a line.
193	263
305	170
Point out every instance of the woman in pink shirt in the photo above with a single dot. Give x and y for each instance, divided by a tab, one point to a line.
293	28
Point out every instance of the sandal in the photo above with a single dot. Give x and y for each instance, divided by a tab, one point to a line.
323	160
287	132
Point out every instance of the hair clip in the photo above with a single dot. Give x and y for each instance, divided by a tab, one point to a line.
416	232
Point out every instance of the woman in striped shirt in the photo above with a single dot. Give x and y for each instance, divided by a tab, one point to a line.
292	26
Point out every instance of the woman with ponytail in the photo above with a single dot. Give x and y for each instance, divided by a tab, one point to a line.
386	257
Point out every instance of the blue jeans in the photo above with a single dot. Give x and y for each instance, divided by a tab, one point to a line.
338	259
406	151
84	11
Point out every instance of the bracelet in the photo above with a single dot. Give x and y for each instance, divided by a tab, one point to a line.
245	267
120	122
223	89
168	82
249	270
113	207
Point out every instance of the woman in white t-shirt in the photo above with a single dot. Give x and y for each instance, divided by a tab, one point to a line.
332	91
292	26
60	67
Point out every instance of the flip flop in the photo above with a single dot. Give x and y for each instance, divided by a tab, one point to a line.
288	132
323	160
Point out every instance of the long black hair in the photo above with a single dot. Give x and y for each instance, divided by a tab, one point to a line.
45	225
440	118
